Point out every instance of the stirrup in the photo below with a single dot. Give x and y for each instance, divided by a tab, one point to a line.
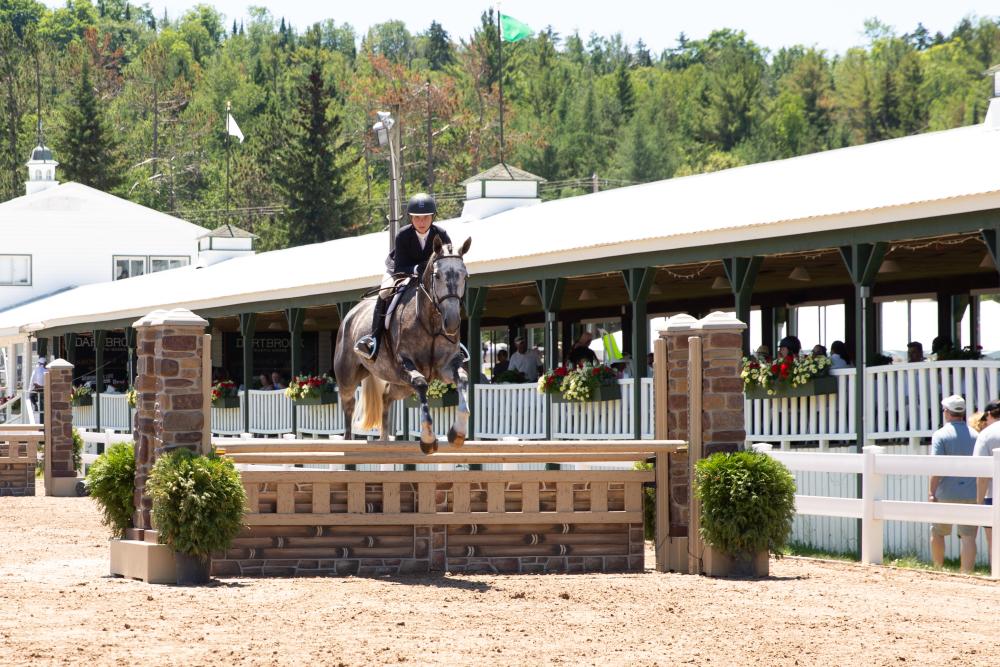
366	346
465	352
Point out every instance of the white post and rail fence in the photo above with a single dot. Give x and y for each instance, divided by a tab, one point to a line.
873	509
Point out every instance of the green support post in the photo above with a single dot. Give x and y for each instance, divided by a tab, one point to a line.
344	307
742	274
100	336
638	283
69	340
295	317
248	323
550	291
863	261
475	304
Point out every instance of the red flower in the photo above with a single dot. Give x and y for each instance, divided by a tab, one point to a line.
561	372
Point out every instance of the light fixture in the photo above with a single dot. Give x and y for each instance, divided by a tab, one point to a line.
530	300
987	262
720	283
889	266
382	127
587	295
799	273
655	289
309	321
275	326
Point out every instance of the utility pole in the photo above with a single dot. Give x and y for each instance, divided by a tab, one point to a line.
430	142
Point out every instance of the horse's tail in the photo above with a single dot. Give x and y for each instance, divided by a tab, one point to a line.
372	392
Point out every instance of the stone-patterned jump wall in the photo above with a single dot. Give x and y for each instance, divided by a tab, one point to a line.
18	455
378	523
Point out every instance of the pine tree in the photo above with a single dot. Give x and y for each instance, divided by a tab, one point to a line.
439	54
315	167
87	147
624	92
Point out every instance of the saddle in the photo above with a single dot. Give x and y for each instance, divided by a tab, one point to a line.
399	287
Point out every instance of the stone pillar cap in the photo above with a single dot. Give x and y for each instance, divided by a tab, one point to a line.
720	320
175	317
59	363
682	322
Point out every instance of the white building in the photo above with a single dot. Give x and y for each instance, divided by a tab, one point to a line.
59	236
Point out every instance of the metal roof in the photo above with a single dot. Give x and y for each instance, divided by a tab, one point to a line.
503	172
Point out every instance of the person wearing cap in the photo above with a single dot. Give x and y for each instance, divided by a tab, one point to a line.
954	438
412	250
525	360
988	440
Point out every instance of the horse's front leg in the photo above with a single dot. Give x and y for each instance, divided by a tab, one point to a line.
460	429
347	401
428	441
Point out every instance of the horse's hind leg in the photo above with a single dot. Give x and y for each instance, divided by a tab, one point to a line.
460	429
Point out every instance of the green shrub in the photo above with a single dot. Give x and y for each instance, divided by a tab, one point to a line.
198	502
747	503
648	504
77	450
111	482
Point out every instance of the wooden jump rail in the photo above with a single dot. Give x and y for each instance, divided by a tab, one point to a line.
309	521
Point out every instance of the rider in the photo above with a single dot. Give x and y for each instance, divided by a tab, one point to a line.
413	248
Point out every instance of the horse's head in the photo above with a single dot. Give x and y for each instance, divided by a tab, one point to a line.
444	279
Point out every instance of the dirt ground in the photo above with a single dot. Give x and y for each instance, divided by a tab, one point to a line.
58	605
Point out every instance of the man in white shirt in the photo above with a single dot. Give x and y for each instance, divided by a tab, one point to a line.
38	385
525	360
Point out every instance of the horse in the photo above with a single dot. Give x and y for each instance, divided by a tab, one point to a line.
420	344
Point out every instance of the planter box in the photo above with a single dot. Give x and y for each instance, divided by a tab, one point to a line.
611	392
83	401
815	387
325	398
226	402
449	400
717	564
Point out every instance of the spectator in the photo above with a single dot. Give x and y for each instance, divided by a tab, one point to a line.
914	352
524	360
623	367
954	438
503	363
988	440
277	381
789	345
581	353
838	355
819	350
940	344
38	386
650	365
265	382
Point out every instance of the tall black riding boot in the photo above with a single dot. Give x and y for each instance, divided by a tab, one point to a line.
369	345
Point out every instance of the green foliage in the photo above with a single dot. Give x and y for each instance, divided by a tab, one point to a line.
747	502
111	482
87	145
648	504
198	502
77	450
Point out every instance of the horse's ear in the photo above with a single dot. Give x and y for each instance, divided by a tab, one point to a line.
465	247
437	245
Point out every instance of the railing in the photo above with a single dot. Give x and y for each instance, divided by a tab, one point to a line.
8	413
874	509
812	418
115	413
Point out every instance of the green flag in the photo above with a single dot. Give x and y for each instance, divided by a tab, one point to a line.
512	30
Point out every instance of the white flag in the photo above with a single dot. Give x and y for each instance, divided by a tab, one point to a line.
232	128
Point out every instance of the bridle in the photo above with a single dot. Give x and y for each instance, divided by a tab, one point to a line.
436	302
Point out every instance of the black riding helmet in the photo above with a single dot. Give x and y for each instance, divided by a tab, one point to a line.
422	204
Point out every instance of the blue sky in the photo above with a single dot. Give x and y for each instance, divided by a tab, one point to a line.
834	25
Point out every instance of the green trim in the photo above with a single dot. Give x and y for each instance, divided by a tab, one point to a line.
638	282
248	323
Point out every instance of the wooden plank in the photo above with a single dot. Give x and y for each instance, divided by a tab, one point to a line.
425	497
529	496
321	498
356	497
662	532
252	489
462	500
238	445
695	385
444	476
440	518
286	498
598	496
298	458
390	497
660	390
495	497
633	497
564	497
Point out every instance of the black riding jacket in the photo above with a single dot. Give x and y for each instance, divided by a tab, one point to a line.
408	253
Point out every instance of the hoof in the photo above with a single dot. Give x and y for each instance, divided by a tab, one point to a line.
455	438
428	447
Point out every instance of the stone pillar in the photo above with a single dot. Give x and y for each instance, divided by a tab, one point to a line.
60	475
172	408
722	403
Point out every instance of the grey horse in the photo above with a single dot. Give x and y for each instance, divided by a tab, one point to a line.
419	345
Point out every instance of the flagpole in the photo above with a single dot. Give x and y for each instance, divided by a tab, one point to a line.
228	107
500	78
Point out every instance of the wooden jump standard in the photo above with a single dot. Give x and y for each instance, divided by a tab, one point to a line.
363	522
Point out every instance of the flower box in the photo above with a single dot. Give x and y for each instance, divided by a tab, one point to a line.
815	387
449	400
606	392
82	401
226	402
324	398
